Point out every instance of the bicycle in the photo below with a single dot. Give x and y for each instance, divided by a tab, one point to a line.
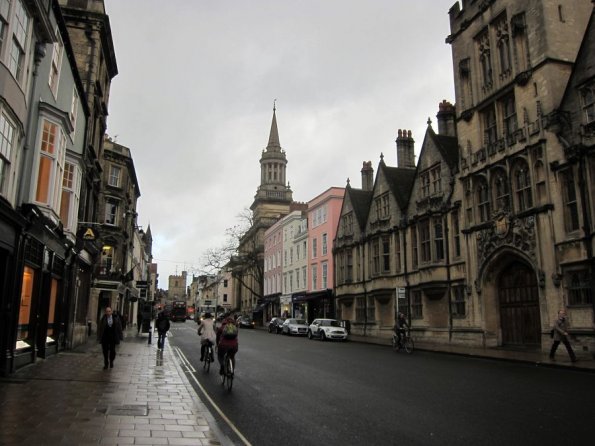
208	358
406	343
227	377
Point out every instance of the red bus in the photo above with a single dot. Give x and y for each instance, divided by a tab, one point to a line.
178	311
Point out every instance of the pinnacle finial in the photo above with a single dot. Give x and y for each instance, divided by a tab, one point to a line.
275	104
429	121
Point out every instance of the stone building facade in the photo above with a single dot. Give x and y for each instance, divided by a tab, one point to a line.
492	232
114	275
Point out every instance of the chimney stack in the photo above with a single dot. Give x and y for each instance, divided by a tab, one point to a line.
446	119
367	176
405	154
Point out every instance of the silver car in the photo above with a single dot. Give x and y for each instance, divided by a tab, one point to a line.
327	329
295	327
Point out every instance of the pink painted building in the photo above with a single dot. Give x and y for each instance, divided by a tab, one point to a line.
323	217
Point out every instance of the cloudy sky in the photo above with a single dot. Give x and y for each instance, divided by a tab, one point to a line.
194	96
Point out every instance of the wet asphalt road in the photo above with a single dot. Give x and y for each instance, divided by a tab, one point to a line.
295	391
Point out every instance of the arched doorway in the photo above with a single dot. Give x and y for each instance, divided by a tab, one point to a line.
519	306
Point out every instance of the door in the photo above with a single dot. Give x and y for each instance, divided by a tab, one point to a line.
519	306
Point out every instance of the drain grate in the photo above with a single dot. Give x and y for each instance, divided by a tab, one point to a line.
140	410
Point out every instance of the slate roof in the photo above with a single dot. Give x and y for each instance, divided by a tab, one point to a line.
448	147
360	200
400	180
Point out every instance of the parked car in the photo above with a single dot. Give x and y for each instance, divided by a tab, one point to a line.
327	329
275	325
245	322
294	327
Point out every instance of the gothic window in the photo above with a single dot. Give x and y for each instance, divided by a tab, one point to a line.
539	182
483	200
579	288
398	251
385	254
456	233
458	300
588	103
417	305
510	120
347	221
425	241
424	178
465	80
571	220
501	192
490	128
360	309
435	177
349	267
520	43
375	257
414	248
438	240
485	60
522	186
382	206
371	310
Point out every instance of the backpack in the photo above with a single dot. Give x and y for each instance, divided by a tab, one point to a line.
230	331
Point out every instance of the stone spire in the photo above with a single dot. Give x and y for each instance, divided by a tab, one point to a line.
274	135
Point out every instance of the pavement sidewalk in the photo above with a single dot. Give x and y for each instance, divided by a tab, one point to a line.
586	361
68	399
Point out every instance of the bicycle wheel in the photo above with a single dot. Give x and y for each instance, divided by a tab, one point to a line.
408	345
207	360
224	374
229	372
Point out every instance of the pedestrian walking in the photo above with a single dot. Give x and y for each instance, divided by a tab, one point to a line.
109	334
560	332
162	325
139	320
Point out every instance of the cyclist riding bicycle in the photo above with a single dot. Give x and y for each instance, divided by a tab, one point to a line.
206	332
227	341
400	327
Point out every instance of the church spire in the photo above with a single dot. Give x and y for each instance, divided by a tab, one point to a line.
274	135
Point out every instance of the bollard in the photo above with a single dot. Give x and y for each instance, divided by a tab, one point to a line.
150	332
89	328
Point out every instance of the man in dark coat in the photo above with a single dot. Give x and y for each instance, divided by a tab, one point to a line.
109	334
162	325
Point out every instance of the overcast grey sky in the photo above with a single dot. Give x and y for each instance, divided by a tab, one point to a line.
194	96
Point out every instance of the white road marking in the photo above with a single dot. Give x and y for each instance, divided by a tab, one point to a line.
191	370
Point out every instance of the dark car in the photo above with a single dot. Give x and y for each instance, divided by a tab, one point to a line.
275	325
245	322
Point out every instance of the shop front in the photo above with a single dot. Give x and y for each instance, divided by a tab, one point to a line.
310	306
